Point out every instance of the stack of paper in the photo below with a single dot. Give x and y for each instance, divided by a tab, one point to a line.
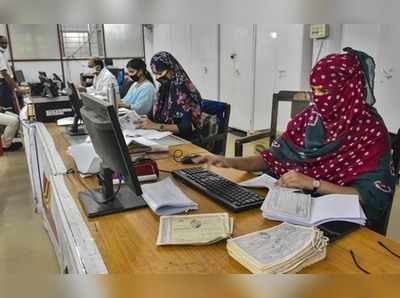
86	159
285	248
299	208
262	181
200	229
165	198
141	145
130	130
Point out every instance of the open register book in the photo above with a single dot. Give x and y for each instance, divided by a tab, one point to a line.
285	248
299	208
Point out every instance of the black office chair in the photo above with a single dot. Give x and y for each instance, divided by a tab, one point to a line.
124	88
395	141
299	101
215	142
380	226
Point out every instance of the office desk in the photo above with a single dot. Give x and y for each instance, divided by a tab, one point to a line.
125	242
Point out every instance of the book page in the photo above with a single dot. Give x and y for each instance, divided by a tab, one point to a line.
289	203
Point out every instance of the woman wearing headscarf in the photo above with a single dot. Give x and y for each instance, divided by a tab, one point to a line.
141	95
339	144
178	103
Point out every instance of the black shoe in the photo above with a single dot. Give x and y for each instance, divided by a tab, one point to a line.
13	147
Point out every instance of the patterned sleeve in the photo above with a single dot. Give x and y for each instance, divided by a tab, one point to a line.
376	189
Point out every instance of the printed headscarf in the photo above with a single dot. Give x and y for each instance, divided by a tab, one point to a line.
339	136
176	97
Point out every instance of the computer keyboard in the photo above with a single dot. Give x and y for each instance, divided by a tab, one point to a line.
221	190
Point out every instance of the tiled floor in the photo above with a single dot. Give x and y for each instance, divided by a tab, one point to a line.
24	245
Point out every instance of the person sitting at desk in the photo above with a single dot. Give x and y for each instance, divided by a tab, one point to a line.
339	144
141	94
178	103
103	78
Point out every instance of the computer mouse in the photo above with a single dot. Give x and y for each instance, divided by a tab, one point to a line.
188	159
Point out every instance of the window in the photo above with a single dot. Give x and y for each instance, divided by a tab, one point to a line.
82	41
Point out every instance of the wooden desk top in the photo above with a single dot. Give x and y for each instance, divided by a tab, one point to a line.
127	241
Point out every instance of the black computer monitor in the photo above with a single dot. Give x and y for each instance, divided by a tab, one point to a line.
19	76
76	104
105	132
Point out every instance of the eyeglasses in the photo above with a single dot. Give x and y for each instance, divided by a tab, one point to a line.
353	256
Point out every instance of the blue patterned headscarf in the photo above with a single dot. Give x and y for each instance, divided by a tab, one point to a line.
176	97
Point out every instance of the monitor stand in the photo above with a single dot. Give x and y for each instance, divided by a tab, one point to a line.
75	129
94	201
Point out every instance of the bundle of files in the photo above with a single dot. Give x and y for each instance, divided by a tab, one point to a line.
285	248
199	229
165	198
289	205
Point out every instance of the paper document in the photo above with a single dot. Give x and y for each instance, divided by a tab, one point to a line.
165	198
263	181
292	204
302	209
194	229
285	248
127	121
86	159
66	121
155	147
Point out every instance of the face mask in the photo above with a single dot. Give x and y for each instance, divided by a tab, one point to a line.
162	78
134	78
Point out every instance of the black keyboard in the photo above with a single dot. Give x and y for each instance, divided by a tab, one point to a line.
221	190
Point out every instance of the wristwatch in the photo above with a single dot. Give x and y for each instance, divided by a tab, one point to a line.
316	185
161	127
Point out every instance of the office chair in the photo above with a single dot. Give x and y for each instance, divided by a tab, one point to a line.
124	88
382	225
215	142
299	101
395	143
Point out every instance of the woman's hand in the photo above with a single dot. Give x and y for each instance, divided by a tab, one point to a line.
124	105
295	179
146	123
214	160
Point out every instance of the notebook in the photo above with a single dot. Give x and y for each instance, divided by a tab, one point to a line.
302	209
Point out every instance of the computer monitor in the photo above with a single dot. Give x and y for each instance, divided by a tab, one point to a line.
19	76
105	132
76	104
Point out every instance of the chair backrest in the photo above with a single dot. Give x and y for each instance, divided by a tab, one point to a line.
221	109
217	143
124	88
299	101
395	142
